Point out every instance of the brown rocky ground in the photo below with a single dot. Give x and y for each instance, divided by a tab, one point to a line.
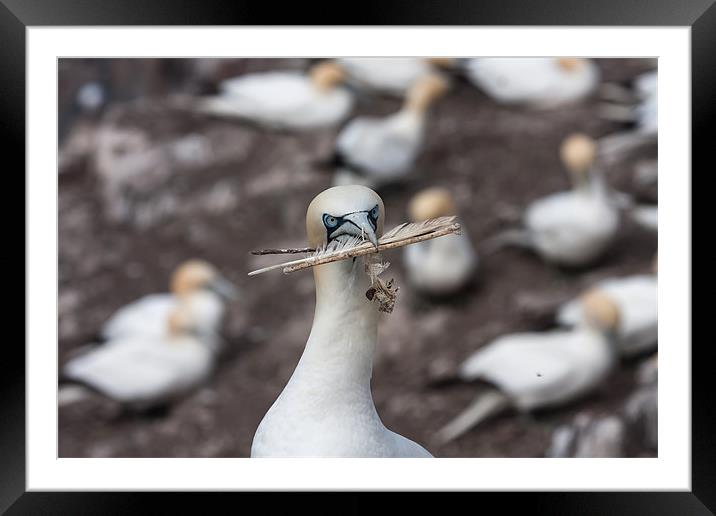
167	185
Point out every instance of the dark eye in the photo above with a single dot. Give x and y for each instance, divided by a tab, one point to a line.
374	212
330	221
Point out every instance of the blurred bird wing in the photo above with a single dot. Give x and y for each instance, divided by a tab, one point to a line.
131	370
522	362
146	316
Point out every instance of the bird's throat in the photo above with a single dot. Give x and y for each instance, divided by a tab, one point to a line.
345	325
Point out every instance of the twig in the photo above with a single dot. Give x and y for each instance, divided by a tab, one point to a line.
361	250
284	251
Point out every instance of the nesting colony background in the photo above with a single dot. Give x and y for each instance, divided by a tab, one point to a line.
146	182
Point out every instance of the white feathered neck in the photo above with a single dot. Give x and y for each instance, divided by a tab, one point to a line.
340	348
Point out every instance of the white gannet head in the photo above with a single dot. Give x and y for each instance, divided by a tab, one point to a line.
431	203
425	91
196	276
600	311
572	64
578	152
345	212
326	75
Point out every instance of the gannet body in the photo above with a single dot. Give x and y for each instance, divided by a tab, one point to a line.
393	76
636	298
536	370
195	284
285	100
326	409
142	371
644	114
533	81
375	151
445	265
572	228
575	227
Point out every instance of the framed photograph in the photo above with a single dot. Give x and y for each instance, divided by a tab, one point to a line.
416	252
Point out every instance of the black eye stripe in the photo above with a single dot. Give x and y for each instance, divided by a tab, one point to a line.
373	216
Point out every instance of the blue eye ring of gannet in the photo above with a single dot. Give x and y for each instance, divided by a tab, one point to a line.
334	223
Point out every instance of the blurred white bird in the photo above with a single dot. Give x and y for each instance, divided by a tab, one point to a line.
392	75
636	298
326	409
285	99
194	283
537	82
646	216
641	110
442	266
570	228
375	151
143	372
535	370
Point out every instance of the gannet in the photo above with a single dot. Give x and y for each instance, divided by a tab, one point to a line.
571	228
195	283
375	151
636	298
642	112
535	370
445	265
646	216
285	100
538	82
392	75
146	371
326	409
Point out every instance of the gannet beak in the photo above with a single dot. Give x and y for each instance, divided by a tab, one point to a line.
360	225
224	288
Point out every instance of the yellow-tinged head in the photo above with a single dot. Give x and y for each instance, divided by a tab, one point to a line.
600	310
431	203
578	152
442	62
196	275
345	212
571	64
425	91
327	74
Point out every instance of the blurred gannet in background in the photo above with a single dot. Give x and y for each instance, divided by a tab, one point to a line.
647	216
326	409
570	228
642	110
143	371
535	370
538	82
375	151
393	76
194	283
445	265
636	298
285	99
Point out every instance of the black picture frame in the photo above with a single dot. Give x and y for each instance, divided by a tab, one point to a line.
17	15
